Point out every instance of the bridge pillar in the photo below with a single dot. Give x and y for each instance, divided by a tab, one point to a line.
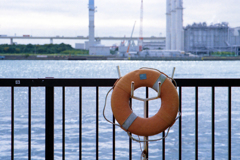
11	41
51	40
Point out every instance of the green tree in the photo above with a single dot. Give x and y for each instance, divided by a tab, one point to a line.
6	49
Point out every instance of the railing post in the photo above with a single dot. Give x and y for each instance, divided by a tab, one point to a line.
229	122
80	122
97	123
114	139
130	140
146	116
163	145
63	123
180	124
12	123
213	122
49	124
29	122
196	123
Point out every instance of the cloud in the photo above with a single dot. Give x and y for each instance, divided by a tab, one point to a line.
113	17
213	11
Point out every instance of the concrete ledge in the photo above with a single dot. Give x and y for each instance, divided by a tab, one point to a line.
22	57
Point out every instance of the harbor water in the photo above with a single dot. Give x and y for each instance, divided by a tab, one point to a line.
107	69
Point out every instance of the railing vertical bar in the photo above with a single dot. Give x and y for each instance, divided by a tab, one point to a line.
180	124
196	123
114	138
213	122
229	122
130	140
49	123
80	122
29	122
12	123
147	113
97	123
163	146
63	123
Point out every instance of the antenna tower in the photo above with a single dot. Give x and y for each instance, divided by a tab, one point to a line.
141	26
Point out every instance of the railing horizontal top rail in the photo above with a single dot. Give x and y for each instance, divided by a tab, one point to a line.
208	82
57	82
106	82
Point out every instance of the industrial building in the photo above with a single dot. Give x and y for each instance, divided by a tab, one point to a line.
198	38
154	45
203	39
79	46
132	47
99	50
160	53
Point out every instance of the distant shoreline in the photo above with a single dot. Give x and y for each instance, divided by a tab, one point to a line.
67	57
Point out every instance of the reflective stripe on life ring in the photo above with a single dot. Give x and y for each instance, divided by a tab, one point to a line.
163	119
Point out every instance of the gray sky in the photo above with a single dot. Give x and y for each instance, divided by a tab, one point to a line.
113	17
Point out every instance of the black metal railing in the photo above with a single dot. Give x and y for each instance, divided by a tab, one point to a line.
50	83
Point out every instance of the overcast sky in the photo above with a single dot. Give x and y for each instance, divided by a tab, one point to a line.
113	17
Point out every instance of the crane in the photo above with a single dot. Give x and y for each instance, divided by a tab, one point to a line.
129	42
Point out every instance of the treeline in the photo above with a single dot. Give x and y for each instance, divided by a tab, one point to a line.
40	49
223	54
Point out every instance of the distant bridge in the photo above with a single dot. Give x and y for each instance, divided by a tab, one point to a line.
78	38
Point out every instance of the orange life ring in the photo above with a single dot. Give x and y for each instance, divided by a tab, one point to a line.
128	121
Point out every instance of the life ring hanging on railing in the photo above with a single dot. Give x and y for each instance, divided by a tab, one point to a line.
163	119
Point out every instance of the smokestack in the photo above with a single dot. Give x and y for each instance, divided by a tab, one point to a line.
168	25
179	25
91	23
173	25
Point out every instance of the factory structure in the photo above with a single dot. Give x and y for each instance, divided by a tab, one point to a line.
94	46
91	30
174	25
203	39
198	38
174	44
